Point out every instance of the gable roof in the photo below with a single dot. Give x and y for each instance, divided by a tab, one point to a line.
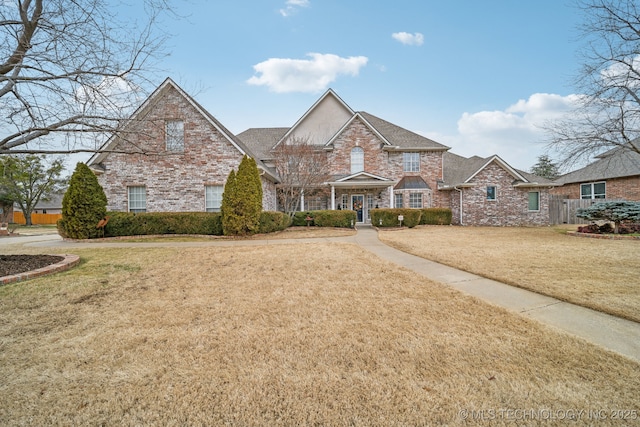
361	180
152	100
616	163
328	94
459	171
261	140
400	138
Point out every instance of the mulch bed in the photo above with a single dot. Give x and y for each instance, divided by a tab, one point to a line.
16	264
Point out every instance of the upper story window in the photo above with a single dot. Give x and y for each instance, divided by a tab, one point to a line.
594	190
357	160
174	135
491	192
411	162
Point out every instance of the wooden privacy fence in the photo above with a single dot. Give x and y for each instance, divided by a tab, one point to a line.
563	211
36	219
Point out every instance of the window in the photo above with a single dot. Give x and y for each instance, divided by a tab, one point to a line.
415	200
174	135
137	199
534	200
369	205
398	200
491	192
213	197
594	190
315	203
357	160
345	201
411	162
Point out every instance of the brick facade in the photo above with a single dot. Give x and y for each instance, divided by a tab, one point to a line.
510	207
173	181
627	188
176	181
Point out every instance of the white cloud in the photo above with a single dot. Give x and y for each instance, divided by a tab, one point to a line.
305	75
516	133
415	39
292	6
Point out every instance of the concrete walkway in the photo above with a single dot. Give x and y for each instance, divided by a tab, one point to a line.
613	333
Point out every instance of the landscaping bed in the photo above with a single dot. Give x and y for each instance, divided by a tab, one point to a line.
16	264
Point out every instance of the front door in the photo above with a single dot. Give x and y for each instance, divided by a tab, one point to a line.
357	204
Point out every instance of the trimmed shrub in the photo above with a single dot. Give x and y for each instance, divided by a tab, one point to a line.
389	217
300	218
83	205
329	218
271	221
141	224
436	216
326	218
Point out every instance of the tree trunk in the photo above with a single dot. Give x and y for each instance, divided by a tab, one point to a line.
27	218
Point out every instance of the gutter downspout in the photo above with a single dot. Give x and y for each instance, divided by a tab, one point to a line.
459	191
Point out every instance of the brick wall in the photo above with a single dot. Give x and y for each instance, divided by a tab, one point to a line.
511	207
175	182
627	188
382	163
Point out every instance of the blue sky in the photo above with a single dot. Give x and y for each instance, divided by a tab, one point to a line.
479	76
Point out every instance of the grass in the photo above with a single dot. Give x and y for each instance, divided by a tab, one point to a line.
595	273
261	336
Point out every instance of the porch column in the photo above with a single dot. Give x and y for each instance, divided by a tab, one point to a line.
302	201
333	198
391	199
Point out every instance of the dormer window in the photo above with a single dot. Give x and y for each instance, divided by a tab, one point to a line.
357	160
174	135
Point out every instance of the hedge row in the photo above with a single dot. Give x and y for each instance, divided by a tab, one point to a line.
326	218
411	217
204	223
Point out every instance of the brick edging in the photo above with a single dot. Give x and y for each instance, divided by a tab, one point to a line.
68	262
602	236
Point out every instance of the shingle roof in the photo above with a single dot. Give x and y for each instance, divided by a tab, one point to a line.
399	136
458	170
616	163
261	140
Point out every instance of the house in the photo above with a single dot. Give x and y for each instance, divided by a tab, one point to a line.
614	174
372	163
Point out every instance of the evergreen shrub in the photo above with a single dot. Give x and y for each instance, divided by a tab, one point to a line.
389	217
84	204
435	216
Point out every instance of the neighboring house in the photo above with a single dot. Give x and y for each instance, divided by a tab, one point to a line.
372	163
613	175
51	206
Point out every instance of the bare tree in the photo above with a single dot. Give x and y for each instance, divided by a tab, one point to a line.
70	71
607	114
302	168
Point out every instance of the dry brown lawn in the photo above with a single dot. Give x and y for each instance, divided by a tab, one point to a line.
291	334
595	273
